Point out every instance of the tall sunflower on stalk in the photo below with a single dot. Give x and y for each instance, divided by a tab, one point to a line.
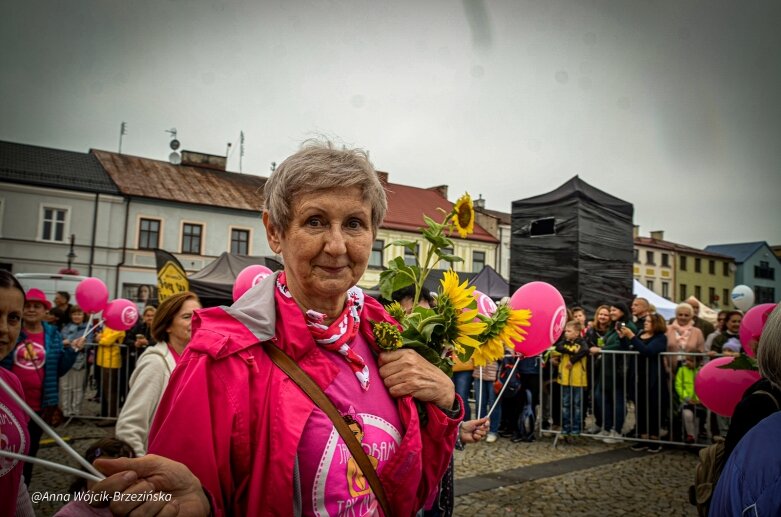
454	325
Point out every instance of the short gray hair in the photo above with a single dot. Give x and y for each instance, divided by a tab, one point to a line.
769	348
684	305
318	166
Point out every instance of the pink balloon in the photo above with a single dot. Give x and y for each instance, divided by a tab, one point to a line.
249	276
549	315
485	305
120	314
92	295
752	324
720	390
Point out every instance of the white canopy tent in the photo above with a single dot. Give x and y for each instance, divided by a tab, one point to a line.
663	306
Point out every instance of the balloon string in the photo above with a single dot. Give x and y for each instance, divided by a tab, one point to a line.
89	330
504	386
480	394
48	430
50	465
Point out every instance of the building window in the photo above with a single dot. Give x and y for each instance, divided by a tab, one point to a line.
698	267
148	234
764	294
410	257
649	258
711	267
698	292
239	242
191	238
711	295
683	263
478	261
375	259
637	256
53	223
649	284
444	264
665	260
666	290
725	268
763	270
725	297
683	292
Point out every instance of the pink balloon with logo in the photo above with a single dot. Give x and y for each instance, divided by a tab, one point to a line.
120	314
752	324
249	276
485	305
548	316
92	295
720	389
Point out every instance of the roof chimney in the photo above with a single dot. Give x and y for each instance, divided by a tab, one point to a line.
479	202
657	235
440	189
383	177
208	161
636	231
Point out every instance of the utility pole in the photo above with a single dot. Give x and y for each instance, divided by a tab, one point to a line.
122	131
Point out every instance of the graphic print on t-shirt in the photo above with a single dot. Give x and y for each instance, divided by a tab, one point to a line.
12	438
30	356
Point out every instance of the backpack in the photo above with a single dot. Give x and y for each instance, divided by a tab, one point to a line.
503	376
706	475
527	422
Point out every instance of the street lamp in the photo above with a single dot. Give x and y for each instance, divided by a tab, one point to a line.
71	253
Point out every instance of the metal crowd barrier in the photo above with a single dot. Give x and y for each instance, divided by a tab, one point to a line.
634	391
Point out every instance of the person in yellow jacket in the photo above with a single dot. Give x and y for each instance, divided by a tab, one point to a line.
109	360
691	407
573	377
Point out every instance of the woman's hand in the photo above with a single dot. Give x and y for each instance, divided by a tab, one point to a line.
406	373
627	333
472	431
594	350
158	474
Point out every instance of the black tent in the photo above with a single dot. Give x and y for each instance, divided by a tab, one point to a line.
490	283
214	283
578	239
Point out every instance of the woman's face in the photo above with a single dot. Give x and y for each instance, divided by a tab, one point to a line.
180	328
648	324
616	313
33	313
683	316
11	307
326	247
603	317
733	324
143	293
149	316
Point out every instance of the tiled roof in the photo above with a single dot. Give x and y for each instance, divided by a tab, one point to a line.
46	167
679	248
740	251
155	179
407	205
504	217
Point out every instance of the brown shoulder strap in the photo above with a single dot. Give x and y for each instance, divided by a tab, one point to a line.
287	365
763	392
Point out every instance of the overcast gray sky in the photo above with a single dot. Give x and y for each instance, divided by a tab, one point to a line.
674	106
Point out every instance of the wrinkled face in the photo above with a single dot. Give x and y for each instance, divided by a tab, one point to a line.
149	315
603	317
639	307
180	328
683	316
326	247
616	314
733	324
33	313
11	307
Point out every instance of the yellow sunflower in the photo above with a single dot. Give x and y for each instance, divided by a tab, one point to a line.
464	216
461	325
506	326
461	296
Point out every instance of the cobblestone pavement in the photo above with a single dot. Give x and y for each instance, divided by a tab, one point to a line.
505	478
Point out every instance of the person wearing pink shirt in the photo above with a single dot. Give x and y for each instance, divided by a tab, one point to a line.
235	435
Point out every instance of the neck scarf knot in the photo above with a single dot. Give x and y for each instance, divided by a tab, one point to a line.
338	336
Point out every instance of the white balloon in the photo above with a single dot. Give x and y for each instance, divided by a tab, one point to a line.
742	297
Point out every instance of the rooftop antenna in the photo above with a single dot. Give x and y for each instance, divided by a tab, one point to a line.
122	131
241	150
273	166
174	158
228	150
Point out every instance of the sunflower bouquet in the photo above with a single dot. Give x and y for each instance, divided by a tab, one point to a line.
453	326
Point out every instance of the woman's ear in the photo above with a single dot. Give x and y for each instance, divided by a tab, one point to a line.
273	236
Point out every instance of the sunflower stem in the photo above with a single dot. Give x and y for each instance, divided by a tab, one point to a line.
426	269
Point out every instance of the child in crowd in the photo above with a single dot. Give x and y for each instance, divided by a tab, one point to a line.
72	383
579	315
691	408
108	447
572	377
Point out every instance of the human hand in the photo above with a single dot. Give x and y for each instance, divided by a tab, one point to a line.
627	332
472	431
78	343
155	473
141	342
594	350
407	373
569	366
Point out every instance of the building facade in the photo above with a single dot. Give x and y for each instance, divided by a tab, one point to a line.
757	267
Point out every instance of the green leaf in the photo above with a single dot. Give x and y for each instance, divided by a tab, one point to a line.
450	258
741	362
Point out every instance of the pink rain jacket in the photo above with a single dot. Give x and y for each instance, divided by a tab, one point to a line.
236	420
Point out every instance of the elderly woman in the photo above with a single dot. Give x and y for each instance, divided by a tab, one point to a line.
683	336
249	440
171	328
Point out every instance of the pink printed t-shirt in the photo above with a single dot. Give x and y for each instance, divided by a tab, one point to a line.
29	362
13	438
331	482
